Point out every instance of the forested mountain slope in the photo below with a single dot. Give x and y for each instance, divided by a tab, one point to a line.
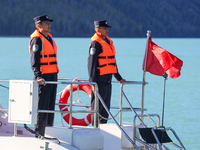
128	18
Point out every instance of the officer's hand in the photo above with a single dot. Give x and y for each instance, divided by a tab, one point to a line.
41	81
122	80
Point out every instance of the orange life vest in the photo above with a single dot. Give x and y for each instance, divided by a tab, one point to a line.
106	59
48	58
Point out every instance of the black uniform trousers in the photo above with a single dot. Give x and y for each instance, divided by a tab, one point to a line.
105	90
47	97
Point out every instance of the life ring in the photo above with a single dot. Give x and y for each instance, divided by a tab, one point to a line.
64	98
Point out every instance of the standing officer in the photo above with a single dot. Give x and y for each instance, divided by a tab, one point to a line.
43	52
102	65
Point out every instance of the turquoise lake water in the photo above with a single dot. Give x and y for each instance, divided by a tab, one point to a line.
182	101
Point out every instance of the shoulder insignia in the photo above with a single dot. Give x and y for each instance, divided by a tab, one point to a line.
92	51
35	48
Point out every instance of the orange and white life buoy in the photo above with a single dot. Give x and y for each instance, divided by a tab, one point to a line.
64	98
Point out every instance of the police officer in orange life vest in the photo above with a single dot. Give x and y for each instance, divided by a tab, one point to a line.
102	65
43	51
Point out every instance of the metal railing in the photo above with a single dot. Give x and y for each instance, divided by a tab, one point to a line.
96	112
96	102
158	127
71	101
128	102
131	107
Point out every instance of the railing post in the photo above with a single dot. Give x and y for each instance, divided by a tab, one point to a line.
78	93
96	118
120	116
71	93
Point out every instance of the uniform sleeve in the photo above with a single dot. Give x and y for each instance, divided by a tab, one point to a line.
94	50
117	76
36	47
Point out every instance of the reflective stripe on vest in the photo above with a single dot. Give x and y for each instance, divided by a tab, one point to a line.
48	58
106	59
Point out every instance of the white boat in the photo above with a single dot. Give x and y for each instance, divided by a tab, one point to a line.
136	134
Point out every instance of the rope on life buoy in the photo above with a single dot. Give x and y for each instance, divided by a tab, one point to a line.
64	99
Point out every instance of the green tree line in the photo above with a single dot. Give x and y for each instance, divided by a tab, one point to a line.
128	18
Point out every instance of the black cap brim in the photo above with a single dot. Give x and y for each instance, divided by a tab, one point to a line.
50	20
102	26
107	26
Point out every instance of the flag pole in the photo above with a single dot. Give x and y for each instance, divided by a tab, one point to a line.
165	76
145	60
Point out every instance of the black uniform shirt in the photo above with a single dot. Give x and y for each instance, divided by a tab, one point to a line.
94	73
36	47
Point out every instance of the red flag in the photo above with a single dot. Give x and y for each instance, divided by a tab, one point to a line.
160	61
